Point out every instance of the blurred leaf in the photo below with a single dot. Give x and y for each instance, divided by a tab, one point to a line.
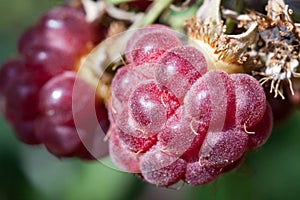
13	183
15	17
97	181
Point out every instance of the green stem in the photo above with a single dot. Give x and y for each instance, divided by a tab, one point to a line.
116	2
230	24
156	9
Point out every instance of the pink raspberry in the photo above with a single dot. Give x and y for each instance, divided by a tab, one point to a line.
173	120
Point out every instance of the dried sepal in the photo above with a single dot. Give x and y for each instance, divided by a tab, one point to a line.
279	47
207	32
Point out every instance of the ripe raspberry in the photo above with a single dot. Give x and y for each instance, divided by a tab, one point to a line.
182	122
36	89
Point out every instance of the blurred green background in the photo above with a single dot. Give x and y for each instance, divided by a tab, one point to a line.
31	173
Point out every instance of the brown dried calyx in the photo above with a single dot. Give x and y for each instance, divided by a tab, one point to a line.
278	47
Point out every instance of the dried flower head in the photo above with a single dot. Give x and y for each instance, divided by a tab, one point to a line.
278	46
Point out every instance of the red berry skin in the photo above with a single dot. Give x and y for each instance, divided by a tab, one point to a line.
55	99
197	106
262	130
178	131
230	120
150	45
21	98
9	71
125	159
250	98
25	131
136	144
45	63
67	103
139	34
127	124
207	102
176	69
197	174
234	165
150	106
220	149
60	140
62	28
161	168
128	77
192	153
57	96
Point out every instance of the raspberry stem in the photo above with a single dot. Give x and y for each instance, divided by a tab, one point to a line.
156	9
116	2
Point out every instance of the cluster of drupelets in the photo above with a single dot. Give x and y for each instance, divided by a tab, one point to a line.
36	89
172	120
